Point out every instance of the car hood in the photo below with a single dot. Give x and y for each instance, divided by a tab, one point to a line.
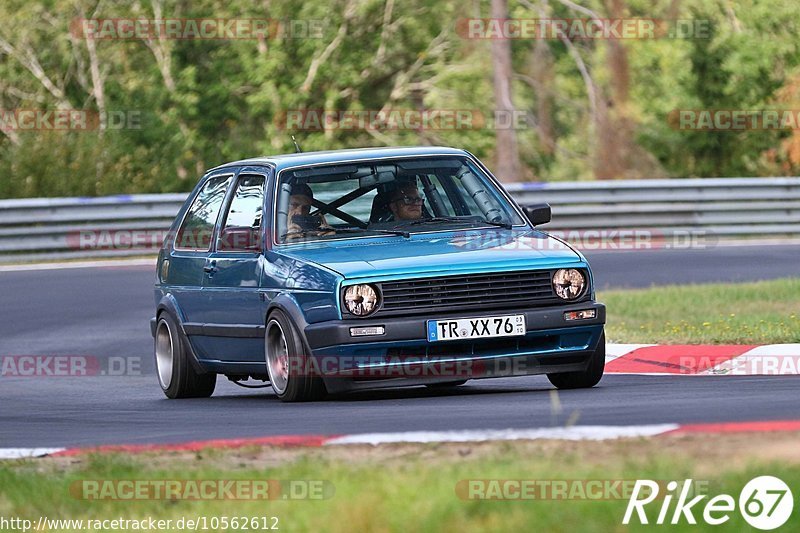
462	251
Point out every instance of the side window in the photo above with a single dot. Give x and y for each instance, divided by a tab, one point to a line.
436	194
460	199
198	224
242	228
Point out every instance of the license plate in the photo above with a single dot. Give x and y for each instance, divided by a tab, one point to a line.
476	328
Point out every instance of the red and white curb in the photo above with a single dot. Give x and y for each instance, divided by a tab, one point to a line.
573	433
23	453
705	360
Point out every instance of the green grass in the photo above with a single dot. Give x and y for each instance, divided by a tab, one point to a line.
763	312
406	490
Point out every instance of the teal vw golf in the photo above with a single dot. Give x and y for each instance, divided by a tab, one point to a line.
325	272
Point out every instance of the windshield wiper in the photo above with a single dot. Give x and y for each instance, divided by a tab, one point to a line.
469	220
329	229
401	233
439	219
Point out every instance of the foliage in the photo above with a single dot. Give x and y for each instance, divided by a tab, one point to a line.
202	102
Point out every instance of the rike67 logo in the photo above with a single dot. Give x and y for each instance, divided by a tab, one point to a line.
765	503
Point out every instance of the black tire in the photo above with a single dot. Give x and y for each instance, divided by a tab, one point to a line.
176	375
446	384
587	378
290	374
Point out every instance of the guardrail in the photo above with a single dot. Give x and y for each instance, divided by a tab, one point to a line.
49	228
723	207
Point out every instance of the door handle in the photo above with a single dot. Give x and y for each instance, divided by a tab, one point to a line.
210	269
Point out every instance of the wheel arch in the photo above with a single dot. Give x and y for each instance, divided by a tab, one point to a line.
288	304
169	304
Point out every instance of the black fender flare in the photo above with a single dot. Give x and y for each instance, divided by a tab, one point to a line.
168	304
287	303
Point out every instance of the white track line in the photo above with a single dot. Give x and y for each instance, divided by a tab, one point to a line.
561	433
25	453
78	264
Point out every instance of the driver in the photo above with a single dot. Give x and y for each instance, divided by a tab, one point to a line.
405	203
298	219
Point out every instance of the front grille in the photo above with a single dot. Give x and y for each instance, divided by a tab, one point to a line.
503	290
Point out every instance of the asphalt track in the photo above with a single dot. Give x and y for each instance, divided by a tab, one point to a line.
104	312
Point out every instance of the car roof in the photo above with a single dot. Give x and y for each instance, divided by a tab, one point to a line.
334	156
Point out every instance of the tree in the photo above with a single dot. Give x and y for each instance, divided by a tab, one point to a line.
507	162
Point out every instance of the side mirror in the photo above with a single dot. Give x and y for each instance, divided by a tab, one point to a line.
538	214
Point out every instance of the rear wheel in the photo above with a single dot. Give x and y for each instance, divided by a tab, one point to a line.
585	378
289	367
176	375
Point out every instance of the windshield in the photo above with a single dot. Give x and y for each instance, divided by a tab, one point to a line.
396	197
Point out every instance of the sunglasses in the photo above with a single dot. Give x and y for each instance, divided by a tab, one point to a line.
410	200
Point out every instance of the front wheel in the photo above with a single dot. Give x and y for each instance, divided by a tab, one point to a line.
177	377
289	367
585	378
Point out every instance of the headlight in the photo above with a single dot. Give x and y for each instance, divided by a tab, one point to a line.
361	300
569	283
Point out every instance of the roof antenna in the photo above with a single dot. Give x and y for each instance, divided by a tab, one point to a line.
297	149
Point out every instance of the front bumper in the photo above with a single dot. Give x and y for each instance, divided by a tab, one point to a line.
404	356
337	332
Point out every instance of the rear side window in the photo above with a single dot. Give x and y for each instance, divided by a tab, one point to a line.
198	224
242	229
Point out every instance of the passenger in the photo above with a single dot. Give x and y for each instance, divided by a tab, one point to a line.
405	202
